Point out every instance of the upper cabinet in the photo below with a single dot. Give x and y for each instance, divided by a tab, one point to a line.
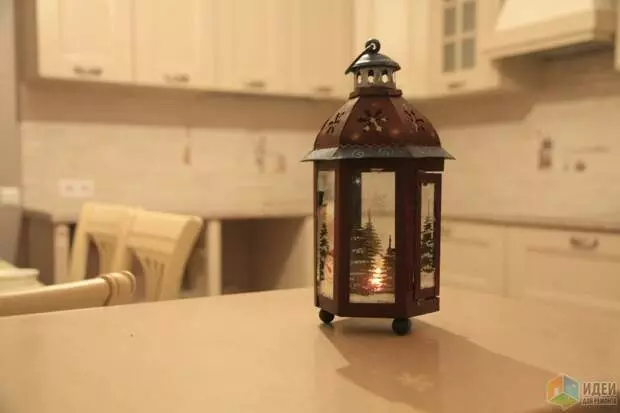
175	42
253	44
323	47
272	47
459	29
89	40
403	29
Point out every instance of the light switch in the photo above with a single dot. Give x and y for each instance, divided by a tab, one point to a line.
10	195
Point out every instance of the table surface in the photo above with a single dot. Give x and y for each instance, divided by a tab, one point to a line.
267	352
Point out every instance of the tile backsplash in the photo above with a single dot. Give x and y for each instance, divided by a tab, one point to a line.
222	156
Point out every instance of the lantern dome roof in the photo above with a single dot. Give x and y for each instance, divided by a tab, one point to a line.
376	121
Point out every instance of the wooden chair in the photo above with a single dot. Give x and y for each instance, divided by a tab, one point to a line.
106	225
105	290
162	244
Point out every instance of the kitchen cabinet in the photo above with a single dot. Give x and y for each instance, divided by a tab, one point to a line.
323	47
472	256
175	43
403	28
564	267
84	40
459	30
253	44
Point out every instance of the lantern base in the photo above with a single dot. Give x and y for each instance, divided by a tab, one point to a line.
401	326
326	317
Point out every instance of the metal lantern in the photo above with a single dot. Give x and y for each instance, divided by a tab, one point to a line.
377	185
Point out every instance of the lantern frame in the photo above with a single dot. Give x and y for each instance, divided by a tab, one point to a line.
406	145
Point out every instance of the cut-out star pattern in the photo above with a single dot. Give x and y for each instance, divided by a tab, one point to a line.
373	120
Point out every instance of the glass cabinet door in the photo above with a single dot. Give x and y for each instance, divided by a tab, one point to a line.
459	35
429	187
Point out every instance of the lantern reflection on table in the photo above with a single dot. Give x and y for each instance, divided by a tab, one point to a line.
377	177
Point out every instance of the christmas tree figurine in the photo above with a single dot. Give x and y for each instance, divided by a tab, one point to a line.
427	253
389	268
323	250
372	237
361	262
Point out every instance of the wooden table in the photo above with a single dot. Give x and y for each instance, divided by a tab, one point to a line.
267	352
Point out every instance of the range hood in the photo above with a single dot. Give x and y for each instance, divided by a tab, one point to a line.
548	26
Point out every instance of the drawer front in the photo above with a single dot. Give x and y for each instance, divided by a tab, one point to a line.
574	268
472	256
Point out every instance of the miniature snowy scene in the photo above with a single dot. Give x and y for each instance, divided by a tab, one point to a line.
427	236
325	238
373	254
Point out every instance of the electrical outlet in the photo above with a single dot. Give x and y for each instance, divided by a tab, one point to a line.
10	195
76	188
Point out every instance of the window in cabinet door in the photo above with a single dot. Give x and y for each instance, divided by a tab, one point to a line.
459	35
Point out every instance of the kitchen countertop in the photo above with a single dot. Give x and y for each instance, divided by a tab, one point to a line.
267	352
569	224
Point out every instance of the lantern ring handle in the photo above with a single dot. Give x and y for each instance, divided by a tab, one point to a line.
371	46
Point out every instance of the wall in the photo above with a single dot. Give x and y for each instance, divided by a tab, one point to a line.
10	160
134	144
215	155
496	172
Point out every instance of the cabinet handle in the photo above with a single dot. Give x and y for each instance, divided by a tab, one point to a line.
88	71
583	244
323	89
455	85
256	84
177	78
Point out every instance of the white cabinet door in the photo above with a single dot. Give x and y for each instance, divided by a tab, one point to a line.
323	47
563	267
88	40
175	42
253	40
402	28
472	256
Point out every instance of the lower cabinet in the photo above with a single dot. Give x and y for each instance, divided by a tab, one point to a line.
560	267
472	256
576	268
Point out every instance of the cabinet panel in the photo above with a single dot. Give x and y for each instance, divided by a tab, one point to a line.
401	27
174	43
472	256
564	267
253	43
88	40
323	47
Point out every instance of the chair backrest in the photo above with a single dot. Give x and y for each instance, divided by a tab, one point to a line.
104	290
162	243
106	225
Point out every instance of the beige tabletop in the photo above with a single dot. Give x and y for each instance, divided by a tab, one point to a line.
267	352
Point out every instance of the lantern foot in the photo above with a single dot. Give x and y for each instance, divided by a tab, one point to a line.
401	326
326	317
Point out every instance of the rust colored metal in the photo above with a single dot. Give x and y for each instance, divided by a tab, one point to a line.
376	129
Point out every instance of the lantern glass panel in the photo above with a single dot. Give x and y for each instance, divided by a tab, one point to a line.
326	184
373	245
427	235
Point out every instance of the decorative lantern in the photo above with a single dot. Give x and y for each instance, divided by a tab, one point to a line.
377	181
